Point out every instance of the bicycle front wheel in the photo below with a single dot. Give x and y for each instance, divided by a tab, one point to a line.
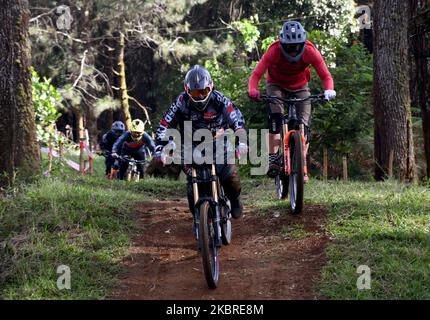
281	183
209	250
296	183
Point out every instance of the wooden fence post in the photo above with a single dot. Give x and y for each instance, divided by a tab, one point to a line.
50	158
390	164
345	167
60	150
325	163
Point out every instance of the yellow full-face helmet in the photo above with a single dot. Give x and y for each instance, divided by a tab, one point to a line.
137	129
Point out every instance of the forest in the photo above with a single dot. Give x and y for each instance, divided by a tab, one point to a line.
80	220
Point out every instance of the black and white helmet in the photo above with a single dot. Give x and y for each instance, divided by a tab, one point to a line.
198	85
293	41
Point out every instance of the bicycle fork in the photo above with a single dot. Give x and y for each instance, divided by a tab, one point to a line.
196	212
215	204
215	196
305	162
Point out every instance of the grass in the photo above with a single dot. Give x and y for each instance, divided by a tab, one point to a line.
67	219
295	232
384	226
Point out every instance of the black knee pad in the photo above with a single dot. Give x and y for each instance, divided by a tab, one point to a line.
275	123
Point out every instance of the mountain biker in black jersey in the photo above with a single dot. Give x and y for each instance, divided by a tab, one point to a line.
209	109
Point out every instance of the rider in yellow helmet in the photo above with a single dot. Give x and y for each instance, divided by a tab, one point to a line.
134	143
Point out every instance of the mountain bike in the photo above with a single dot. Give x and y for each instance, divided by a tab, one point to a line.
132	173
212	218
290	179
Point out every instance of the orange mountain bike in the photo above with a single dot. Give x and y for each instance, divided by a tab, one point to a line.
291	178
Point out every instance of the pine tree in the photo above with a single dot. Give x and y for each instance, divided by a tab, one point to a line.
392	106
19	153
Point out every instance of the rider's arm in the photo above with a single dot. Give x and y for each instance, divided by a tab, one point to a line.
170	120
149	142
118	144
233	115
317	61
260	69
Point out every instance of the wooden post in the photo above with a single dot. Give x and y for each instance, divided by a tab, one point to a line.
325	163
81	142
345	167
390	164
90	161
60	150
50	158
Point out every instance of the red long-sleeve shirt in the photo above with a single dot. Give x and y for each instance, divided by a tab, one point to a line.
288	75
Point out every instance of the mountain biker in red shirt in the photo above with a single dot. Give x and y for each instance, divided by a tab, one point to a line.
287	61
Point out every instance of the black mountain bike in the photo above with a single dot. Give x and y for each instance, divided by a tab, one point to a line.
212	218
291	178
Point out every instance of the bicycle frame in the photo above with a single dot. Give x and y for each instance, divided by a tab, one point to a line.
291	117
286	144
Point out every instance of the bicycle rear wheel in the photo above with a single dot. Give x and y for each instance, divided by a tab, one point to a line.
209	250
296	183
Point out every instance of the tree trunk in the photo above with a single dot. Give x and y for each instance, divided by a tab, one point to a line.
124	90
19	152
392	107
420	11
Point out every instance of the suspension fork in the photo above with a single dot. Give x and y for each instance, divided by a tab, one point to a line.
215	196
195	186
196	197
286	146
305	162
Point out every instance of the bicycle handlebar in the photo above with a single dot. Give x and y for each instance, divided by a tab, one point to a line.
313	98
128	159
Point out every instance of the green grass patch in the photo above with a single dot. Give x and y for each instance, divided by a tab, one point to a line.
294	232
384	226
79	221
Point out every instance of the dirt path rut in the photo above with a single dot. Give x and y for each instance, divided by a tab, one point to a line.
272	256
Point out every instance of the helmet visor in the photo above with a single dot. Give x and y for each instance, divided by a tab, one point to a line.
199	94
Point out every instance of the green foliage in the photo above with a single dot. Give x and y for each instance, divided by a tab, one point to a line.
249	32
265	44
339	125
45	99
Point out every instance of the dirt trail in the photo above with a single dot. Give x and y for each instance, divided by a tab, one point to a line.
275	256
